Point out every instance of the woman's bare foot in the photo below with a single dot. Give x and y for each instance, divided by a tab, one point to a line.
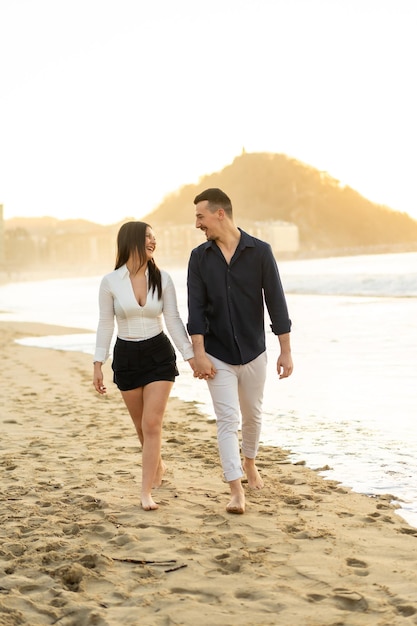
148	503
254	478
237	501
159	474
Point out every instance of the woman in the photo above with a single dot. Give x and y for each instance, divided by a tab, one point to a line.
138	293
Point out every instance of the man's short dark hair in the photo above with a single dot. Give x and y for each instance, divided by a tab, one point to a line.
215	197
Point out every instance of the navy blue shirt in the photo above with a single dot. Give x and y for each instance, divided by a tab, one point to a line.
226	302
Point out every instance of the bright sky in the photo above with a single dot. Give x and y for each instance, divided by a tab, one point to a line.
108	105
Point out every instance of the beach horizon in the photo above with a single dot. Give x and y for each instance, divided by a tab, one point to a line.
77	549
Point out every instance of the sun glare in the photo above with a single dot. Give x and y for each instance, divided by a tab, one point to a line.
104	113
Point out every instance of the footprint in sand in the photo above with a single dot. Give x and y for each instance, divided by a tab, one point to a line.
204	596
228	564
406	610
350	600
360	567
71	576
409	531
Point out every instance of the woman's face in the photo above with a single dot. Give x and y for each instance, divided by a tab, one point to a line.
150	242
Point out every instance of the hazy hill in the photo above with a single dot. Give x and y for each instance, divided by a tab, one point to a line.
266	186
46	225
331	218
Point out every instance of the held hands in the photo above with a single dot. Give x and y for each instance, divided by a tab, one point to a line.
284	365
203	368
98	379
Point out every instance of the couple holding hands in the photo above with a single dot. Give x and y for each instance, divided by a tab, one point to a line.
230	277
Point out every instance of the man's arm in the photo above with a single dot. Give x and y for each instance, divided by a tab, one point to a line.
284	362
203	367
274	294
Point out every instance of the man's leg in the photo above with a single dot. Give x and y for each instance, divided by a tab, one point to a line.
252	378
224	394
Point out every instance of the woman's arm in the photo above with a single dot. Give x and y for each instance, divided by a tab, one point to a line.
105	327
173	320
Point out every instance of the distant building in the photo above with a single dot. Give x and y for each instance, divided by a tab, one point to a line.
282	236
67	247
175	241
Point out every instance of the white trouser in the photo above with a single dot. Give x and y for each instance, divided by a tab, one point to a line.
237	387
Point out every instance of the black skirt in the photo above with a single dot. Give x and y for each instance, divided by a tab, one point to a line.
138	363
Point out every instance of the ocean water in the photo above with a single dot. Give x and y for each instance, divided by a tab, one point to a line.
351	403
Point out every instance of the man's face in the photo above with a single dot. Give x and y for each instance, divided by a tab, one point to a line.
207	221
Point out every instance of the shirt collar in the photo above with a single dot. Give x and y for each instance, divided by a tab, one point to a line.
123	271
245	241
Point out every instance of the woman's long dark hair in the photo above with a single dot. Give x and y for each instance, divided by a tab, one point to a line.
131	239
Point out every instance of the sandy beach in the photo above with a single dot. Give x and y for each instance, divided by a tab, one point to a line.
77	549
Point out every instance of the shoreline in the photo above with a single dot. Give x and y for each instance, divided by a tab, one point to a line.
42	272
78	549
327	469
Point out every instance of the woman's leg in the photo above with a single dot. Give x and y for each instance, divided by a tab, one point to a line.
134	402
155	398
147	407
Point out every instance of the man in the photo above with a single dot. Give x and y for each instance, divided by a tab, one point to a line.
229	277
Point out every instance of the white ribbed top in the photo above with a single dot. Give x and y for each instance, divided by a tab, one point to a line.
117	301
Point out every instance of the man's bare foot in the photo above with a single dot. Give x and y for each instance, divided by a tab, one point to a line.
148	503
254	478
159	474
238	508
237	501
